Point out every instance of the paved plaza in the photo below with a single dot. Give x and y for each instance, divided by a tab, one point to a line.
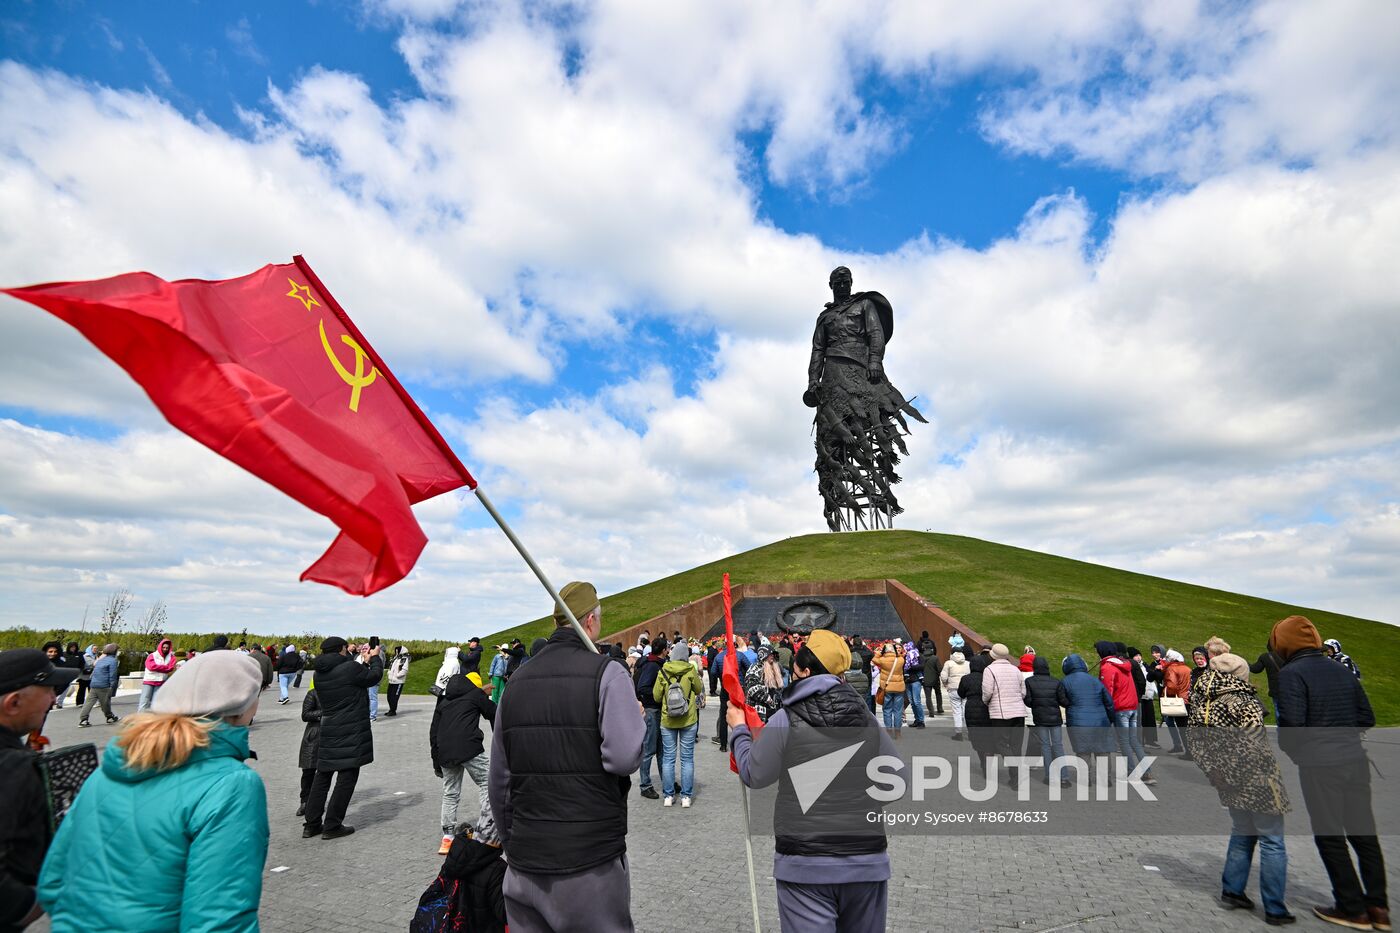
688	869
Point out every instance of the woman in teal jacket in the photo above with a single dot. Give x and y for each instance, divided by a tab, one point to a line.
171	832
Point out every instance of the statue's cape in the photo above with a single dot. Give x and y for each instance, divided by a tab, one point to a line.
882	306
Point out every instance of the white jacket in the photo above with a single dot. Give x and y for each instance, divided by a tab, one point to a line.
398	668
953	671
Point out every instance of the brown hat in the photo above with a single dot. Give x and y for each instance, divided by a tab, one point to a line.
1231	664
1292	635
579	597
831	649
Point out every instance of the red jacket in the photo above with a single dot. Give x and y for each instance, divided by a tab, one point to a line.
1118	678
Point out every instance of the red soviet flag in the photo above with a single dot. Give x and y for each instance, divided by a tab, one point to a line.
730	675
268	371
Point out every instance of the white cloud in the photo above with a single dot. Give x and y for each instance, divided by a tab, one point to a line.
1208	393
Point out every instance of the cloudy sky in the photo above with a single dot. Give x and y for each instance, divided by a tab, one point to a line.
1142	257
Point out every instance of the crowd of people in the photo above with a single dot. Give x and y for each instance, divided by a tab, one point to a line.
571	729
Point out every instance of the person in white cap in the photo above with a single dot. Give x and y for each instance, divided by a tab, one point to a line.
174	781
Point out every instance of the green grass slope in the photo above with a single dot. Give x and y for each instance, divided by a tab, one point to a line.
1015	596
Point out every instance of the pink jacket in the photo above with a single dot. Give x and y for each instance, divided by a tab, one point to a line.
1001	690
160	664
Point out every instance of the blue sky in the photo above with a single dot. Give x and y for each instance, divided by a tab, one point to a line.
1120	242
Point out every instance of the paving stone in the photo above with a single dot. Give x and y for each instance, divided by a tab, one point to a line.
688	866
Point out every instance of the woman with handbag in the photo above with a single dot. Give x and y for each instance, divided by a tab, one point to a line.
1176	687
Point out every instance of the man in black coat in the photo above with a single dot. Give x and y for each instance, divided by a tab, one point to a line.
471	662
29	685
457	745
346	741
1322	711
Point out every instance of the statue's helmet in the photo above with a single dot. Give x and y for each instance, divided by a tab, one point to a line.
840	272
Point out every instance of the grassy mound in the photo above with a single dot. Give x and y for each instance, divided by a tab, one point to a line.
1011	595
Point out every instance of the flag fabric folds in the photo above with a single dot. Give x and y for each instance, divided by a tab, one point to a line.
268	371
730	675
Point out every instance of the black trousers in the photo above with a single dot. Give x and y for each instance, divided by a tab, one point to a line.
1147	717
1007	736
340	798
722	726
933	696
307	776
1338	798
82	693
394	691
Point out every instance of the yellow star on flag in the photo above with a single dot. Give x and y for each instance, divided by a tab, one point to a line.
297	293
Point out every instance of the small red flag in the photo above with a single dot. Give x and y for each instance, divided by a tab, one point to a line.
268	371
730	675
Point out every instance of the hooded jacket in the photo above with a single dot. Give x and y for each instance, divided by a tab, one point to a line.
160	664
1317	693
889	669
975	712
195	844
1088	709
1117	677
480	897
684	673
346	737
854	849
1084	697
1042	692
450	667
455	738
953	671
1228	742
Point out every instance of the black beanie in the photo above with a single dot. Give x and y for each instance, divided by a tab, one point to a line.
1105	648
333	645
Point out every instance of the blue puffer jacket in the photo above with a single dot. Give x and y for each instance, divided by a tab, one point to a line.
104	672
180	850
1086	700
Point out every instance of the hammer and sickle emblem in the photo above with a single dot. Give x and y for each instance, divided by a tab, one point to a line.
356	380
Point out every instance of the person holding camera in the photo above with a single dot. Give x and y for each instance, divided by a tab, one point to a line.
346	742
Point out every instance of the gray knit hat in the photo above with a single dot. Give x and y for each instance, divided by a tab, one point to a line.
680	652
214	684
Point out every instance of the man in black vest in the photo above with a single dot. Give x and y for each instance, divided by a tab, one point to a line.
568	736
831	865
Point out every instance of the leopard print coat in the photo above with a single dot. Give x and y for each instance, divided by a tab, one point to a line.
1225	734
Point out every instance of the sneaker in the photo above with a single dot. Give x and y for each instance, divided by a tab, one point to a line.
918	725
284	700
650	793
669	801
338	832
1380	918
112	719
1231	901
84	722
446	845
310	829
1150	781
1279	920
1333	915
685	803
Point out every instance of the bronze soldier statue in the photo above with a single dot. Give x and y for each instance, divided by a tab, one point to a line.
860	415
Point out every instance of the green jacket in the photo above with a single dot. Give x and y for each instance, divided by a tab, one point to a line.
689	678
180	850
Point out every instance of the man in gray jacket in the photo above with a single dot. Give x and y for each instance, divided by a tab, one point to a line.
105	678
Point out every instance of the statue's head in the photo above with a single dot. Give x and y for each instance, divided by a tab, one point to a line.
840	279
